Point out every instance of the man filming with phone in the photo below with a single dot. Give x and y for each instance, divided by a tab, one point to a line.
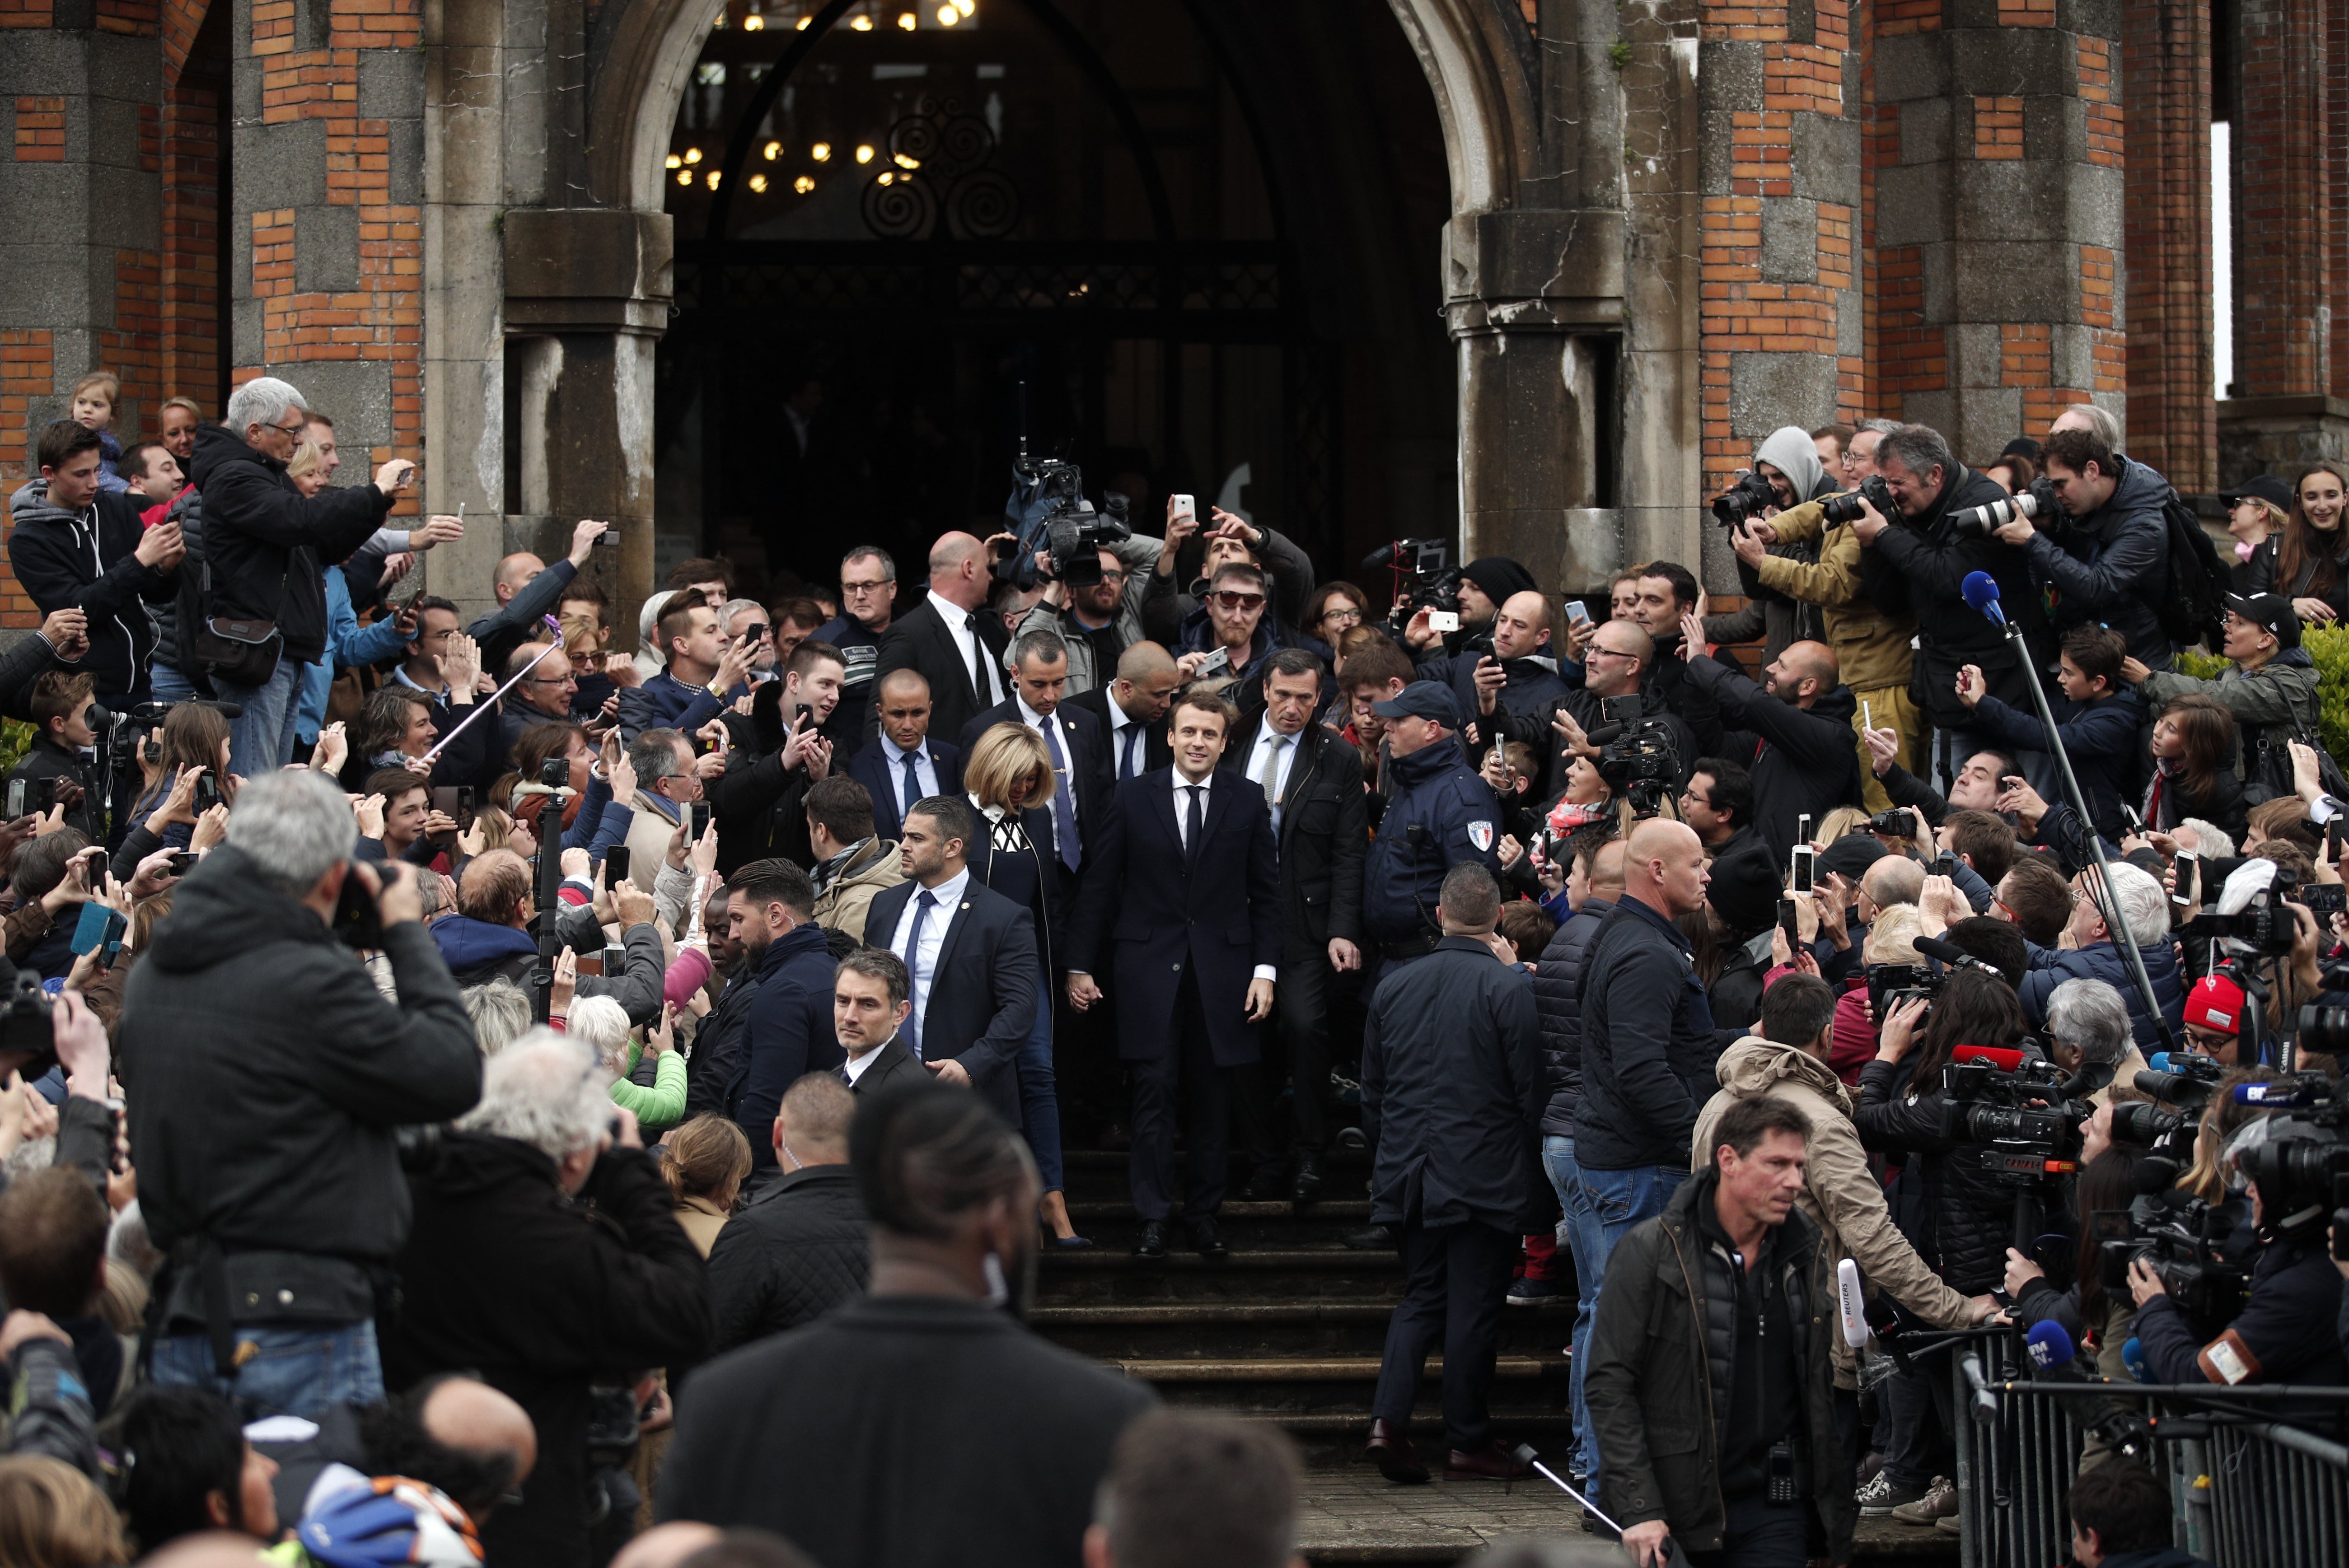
269	1170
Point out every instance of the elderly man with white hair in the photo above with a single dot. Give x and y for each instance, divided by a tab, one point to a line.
544	1259
2089	1025
264	614
2092	951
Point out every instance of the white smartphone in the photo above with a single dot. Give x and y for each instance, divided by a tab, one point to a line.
1803	828
1186	507
1215	663
1443	620
2187	868
1576	613
1801	868
1865	718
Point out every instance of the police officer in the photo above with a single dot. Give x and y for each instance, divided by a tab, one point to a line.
1439	814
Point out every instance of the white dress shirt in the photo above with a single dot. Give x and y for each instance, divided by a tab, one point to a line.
1120	722
970	643
854	1066
922	772
922	965
1182	832
1059	741
1274	788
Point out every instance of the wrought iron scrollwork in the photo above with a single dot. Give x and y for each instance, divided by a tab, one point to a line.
940	162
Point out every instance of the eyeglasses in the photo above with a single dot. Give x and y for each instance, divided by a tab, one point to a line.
1224	599
1115	576
552	680
858	590
1345	615
290	431
1595	650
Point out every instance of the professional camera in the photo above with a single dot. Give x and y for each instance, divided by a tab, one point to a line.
1889	984
2180	1079
25	1022
1748	497
2265	926
2020	1109
2299	1161
1979	522
1424	577
1841	508
1049	514
2180	1238
2324	1029
1894	824
1637	756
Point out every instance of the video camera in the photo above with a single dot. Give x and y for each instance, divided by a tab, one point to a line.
2019	1110
2299	1161
1424	577
2179	1237
1889	984
1049	514
2265	926
1842	509
1637	755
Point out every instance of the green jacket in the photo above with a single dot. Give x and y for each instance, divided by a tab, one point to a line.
661	1106
2279	694
1660	1377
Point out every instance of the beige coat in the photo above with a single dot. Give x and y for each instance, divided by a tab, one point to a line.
1840	1192
843	904
1871	648
702	1221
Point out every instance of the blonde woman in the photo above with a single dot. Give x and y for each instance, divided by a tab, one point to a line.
1010	782
704	1164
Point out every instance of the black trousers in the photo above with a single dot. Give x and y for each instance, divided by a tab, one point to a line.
1187	1076
1456	1277
1297	1048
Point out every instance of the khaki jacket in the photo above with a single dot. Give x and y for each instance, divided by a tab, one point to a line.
845	900
1840	1192
1871	648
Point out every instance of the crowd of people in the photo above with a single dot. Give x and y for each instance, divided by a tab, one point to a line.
477	1090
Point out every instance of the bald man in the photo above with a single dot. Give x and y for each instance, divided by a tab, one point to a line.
1619	661
1796	726
1517	675
949	639
904	763
1649	1045
1130	707
527	589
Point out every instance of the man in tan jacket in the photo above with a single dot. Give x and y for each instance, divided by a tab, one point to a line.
1840	1191
850	863
1871	648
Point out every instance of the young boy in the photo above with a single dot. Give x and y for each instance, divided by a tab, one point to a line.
60	712
95	398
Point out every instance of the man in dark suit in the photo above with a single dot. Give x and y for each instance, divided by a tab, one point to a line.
950	639
771	911
1129	708
871	996
903	764
1039	663
969	954
1320	820
1187	856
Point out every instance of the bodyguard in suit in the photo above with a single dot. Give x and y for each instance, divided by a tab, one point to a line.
1453	1093
871	996
1312	781
1039	663
1130	709
903	764
950	639
1186	856
969	955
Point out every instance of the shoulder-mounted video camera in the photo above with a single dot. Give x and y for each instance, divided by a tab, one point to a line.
1048	513
2019	1110
1637	755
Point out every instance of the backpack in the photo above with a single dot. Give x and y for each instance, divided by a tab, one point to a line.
2192	602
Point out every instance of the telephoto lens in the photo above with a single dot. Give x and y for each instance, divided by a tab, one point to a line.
2144	1125
2324	1029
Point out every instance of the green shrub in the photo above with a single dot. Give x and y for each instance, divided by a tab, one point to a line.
16	739
2329	650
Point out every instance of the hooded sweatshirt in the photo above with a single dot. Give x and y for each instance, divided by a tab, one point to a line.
89	559
1792	452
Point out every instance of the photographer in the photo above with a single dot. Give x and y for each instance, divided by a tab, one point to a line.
1918	566
1797	728
2108	556
1620	664
266	1161
1870	643
1788	470
1098	620
2286	1332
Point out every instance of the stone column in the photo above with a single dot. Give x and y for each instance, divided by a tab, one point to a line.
1997	218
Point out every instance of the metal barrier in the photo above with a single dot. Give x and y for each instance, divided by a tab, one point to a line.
2248	1491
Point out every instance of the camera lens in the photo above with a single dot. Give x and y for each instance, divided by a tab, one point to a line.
2324	1029
2144	1125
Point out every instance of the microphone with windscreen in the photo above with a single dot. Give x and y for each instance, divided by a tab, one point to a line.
1981	590
2050	1345
1950	955
2133	1359
1851	1302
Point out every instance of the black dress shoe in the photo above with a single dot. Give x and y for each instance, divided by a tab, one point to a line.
1206	1240
1390	1451
1264	1185
1307	1186
1152	1243
1491	1463
1377	1239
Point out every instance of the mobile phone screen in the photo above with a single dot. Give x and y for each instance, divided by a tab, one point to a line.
1802	868
616	865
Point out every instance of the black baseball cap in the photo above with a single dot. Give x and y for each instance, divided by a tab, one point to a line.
1422	699
2266	486
2269	612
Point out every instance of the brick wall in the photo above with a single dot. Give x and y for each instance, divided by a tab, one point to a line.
2281	160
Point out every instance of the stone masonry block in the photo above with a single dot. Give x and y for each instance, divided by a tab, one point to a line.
1729	76
48	283
1911	66
2055	129
391	84
1937	408
1976	359
1998	280
405	186
280	166
126	209
1926	135
1987	417
2099	205
125	67
1912	205
1716	152
2072	352
1851	324
325	249
1768	390
356	392
1827	159
245	78
44	62
113	132
2015	62
2011	200
2096	18
1939	264
247	322
1790	242
1970	13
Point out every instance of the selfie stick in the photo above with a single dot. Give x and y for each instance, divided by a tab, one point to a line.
1982	592
1668	1554
481	707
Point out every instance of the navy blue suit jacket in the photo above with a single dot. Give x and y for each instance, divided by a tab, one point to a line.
982	1000
1218	910
877	769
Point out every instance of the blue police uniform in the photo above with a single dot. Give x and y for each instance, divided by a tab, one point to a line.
1435	791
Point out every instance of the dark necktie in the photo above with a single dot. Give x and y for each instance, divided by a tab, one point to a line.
1194	827
1125	761
923	904
1064	806
842	1071
913	784
979	682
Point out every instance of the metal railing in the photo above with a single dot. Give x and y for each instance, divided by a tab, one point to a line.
2248	1490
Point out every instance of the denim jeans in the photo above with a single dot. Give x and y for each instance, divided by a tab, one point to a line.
261	738
1040	1100
1614	1202
294	1371
1566	1181
168	684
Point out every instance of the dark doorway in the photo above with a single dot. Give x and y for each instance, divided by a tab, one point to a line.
1068	195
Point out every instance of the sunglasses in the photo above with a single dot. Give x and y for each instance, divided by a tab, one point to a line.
1226	600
